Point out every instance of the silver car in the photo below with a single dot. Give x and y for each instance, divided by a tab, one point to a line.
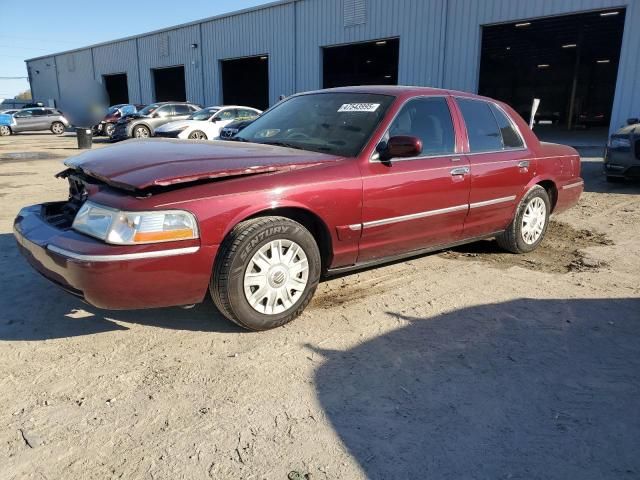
41	118
142	124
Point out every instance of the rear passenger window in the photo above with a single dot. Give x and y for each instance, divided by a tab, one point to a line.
482	129
181	109
510	137
428	119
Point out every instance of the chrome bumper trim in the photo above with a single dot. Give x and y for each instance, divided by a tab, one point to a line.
573	185
121	257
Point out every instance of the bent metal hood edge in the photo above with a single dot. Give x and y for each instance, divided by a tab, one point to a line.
142	164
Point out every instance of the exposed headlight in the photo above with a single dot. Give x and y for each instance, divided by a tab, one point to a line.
132	228
619	142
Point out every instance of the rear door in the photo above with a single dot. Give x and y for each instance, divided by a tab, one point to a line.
181	111
415	203
500	162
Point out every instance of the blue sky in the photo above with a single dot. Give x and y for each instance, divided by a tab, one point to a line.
36	27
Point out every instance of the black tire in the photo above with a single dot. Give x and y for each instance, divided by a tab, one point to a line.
512	238
108	129
237	250
5	131
612	179
57	128
198	135
141	131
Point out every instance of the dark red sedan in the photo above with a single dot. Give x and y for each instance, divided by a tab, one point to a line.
324	182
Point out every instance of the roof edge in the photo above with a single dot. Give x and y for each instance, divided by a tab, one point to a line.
234	13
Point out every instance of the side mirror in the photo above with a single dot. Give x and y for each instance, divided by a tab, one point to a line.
633	121
401	146
214	119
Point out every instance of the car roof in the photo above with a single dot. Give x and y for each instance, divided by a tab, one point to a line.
398	90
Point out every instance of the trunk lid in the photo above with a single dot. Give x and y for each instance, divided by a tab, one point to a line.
141	164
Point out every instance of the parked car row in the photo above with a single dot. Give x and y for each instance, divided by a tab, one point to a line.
115	113
207	123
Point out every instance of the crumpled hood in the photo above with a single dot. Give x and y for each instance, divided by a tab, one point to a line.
168	127
141	164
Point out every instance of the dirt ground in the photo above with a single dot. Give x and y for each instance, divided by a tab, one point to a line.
470	363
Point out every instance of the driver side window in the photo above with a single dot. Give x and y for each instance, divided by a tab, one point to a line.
227	115
165	111
428	119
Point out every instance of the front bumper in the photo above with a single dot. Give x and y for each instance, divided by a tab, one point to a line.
112	276
623	162
169	134
121	131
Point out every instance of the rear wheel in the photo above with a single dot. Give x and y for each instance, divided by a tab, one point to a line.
57	128
4	131
266	272
198	135
528	227
141	132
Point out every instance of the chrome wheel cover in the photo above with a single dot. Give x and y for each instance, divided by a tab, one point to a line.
197	135
533	220
57	128
4	130
141	132
276	277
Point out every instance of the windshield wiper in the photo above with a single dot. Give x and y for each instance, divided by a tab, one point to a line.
283	144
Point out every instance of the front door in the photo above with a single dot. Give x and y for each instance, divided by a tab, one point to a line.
415	203
25	120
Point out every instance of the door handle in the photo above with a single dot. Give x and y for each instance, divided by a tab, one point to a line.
459	171
523	164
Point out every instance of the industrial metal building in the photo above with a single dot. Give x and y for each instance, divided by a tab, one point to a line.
581	57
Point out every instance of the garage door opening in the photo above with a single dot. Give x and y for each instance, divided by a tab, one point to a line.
570	62
116	87
169	84
245	81
368	63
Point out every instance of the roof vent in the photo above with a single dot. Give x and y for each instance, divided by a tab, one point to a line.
354	12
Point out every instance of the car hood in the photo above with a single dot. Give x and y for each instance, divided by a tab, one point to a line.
628	129
167	127
142	164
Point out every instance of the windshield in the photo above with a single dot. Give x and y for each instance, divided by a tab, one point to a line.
204	114
149	109
334	123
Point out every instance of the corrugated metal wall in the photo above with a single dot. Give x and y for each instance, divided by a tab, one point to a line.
168	49
418	23
439	46
270	31
43	78
119	57
75	71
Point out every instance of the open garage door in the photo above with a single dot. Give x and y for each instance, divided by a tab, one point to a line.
169	84
116	87
245	81
570	62
367	63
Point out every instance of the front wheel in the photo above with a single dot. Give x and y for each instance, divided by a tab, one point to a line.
266	272
57	128
198	135
528	227
4	131
141	132
108	129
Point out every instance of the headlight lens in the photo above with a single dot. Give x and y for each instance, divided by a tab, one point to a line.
619	142
132	228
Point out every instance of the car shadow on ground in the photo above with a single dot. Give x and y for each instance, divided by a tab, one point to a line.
516	390
32	308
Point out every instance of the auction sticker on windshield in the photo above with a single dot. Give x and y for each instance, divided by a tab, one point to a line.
359	107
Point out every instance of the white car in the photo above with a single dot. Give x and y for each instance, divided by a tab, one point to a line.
206	124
